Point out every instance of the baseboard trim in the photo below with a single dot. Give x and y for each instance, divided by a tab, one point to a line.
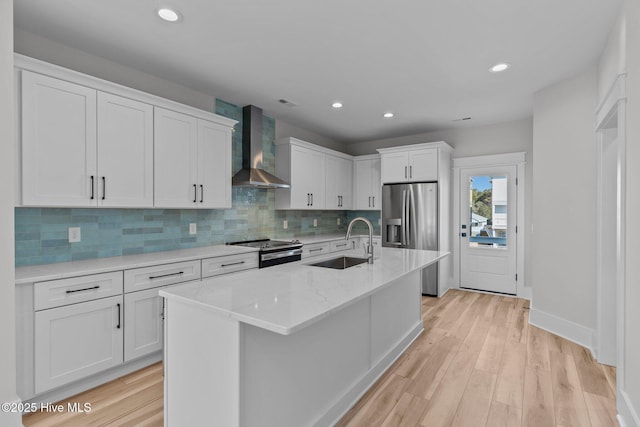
11	418
627	415
562	327
360	387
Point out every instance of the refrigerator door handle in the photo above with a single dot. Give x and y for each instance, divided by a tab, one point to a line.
403	232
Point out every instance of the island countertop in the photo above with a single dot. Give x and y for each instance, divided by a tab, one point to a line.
289	297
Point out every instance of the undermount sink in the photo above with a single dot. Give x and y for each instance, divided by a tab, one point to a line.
340	263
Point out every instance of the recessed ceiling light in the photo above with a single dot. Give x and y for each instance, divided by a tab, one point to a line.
501	66
337	105
388	115
168	14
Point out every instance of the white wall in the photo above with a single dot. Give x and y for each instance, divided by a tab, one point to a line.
284	129
564	207
7	297
510	137
613	59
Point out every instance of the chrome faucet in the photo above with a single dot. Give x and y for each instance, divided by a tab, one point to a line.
368	248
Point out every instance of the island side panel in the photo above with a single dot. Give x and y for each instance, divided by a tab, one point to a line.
395	310
293	380
202	353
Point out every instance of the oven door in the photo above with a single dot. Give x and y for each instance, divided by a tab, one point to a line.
268	259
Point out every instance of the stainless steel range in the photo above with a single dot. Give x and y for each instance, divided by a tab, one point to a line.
274	252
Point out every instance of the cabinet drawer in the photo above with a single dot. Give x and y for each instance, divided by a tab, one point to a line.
342	245
56	293
138	279
228	264
315	249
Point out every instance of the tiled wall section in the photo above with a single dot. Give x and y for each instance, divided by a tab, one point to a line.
41	234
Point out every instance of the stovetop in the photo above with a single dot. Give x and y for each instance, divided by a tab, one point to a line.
267	244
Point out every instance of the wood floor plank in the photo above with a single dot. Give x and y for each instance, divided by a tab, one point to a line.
602	410
490	357
502	415
537	349
538	398
569	405
473	409
510	384
519	328
591	374
444	402
376	410
407	413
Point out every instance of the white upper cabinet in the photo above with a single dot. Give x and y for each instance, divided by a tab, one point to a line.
214	165
175	160
192	162
304	168
367	188
409	164
338	183
86	142
125	152
59	165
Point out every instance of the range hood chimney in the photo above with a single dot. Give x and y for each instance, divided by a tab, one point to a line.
252	174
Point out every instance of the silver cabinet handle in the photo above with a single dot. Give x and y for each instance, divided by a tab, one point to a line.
201	193
104	188
410	171
233	263
308	199
341	245
369	201
405	171
92	188
195	193
315	250
311	199
373	203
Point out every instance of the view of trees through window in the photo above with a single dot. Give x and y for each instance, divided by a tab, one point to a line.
488	211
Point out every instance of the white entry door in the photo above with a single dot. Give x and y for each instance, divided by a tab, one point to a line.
488	229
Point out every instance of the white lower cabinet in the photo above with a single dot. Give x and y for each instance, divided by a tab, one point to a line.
144	316
78	340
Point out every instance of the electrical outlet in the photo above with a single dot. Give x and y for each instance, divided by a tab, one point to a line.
338	221
315	222
74	234
285	224
193	228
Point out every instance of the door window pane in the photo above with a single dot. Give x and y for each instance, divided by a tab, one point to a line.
488	211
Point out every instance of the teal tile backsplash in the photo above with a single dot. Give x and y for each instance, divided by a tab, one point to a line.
41	233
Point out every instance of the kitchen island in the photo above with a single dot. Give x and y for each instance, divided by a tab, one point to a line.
292	345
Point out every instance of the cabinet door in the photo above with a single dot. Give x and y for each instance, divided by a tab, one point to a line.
214	165
332	182
345	183
76	341
362	185
395	167
175	160
307	179
125	152
423	165
58	142
376	185
144	316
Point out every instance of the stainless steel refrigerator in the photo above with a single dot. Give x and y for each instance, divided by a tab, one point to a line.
410	220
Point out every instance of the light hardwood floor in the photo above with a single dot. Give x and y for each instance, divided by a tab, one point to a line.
478	363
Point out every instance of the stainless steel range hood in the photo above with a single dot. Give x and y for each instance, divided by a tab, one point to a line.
252	174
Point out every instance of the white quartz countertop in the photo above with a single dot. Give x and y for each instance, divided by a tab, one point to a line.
289	297
38	273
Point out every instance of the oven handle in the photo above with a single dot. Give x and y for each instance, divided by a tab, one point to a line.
282	254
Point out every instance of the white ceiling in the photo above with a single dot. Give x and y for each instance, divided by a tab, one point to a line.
425	60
